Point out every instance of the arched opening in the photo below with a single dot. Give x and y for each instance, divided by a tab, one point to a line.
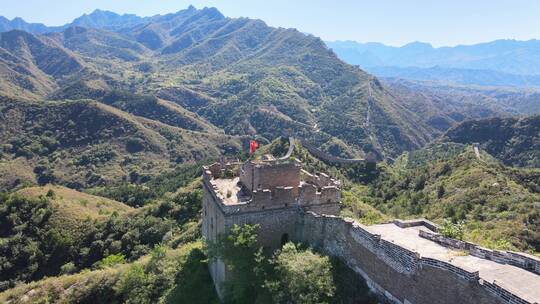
284	239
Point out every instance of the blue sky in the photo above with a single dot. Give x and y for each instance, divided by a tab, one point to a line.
394	22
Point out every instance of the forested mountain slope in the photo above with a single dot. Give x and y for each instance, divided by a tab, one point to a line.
242	76
515	141
494	205
85	143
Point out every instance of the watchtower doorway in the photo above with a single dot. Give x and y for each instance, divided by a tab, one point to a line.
284	239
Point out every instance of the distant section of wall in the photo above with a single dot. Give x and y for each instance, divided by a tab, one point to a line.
320	180
290	150
330	158
396	273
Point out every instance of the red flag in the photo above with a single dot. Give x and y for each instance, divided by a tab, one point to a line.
253	145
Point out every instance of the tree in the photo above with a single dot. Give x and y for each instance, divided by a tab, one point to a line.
440	191
135	144
301	276
111	260
134	285
245	261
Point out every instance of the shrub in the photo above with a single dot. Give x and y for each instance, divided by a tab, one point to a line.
51	194
96	156
134	145
133	285
440	191
243	258
193	281
453	230
111	260
302	276
68	268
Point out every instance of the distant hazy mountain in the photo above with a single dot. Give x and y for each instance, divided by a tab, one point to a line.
428	98
107	20
20	24
457	76
509	56
500	62
97	19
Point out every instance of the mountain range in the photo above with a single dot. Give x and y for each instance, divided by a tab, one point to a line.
96	19
238	75
500	62
106	121
173	79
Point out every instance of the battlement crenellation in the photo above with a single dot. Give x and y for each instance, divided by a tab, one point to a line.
404	261
267	185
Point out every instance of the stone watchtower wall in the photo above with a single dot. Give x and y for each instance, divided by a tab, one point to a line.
291	204
269	175
268	193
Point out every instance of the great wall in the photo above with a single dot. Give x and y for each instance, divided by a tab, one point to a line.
403	261
404	265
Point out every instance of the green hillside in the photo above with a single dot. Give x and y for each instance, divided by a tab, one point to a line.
515	141
165	276
105	124
52	230
83	144
497	204
242	76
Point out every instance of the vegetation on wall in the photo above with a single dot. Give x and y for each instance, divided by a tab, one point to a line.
293	274
124	117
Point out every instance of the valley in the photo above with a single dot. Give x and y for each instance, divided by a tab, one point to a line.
107	122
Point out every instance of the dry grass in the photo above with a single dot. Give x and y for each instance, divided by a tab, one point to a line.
12	170
78	205
66	288
58	289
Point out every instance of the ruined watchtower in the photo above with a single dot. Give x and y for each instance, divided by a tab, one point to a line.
269	192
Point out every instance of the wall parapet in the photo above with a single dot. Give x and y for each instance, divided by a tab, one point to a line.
518	259
415	223
404	260
465	274
318	191
502	292
320	180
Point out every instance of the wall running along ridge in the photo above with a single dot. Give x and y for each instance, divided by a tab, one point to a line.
400	275
396	273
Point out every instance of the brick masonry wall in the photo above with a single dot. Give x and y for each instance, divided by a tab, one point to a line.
274	225
400	275
518	259
212	225
269	177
